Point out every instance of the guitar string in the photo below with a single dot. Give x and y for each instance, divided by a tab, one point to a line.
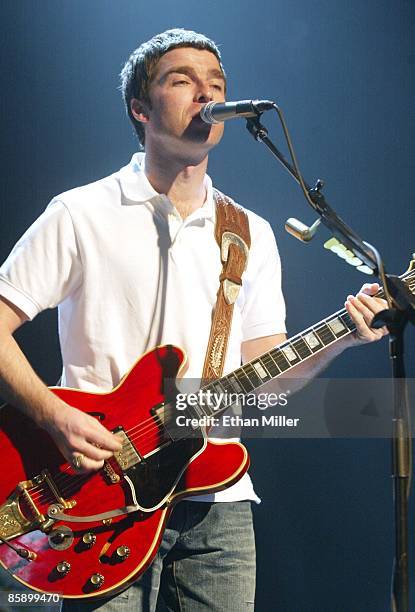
151	432
132	439
153	426
152	435
66	475
125	444
143	432
150	425
68	483
151	420
127	455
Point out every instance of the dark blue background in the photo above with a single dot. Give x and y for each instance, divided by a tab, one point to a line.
343	72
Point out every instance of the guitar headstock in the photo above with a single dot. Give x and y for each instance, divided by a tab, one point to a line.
409	276
411	266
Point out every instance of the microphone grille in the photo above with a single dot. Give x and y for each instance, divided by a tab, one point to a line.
206	113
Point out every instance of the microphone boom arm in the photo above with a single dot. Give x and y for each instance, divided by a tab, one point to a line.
316	199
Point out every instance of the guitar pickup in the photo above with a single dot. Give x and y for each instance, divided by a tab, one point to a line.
128	456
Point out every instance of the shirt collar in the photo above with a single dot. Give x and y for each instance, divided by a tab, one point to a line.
137	189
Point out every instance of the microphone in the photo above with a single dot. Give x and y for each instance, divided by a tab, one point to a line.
215	112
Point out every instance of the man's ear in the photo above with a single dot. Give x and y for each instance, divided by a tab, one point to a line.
139	110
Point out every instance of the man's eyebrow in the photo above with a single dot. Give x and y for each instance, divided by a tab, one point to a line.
188	70
217	74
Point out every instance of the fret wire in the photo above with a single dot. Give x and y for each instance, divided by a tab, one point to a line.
202	409
205	410
333	323
280	359
260	369
208	387
229	388
193	411
302	348
252	375
313	339
260	365
263	361
325	334
324	325
243	380
289	344
218	386
235	383
348	321
271	366
215	388
275	361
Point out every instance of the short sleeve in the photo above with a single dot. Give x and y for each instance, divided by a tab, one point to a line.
263	313
44	266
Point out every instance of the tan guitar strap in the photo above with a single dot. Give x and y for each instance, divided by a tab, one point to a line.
234	240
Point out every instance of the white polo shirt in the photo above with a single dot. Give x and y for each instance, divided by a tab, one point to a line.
128	273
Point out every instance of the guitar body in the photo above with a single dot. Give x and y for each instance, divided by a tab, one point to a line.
90	535
100	553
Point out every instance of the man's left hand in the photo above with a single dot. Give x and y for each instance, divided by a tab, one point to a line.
362	308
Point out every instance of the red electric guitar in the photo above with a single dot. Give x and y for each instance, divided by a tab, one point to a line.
90	535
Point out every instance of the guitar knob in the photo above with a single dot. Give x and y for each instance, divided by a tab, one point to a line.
97	580
60	538
123	552
63	568
89	539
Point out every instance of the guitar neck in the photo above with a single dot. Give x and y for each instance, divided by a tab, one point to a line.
284	357
279	360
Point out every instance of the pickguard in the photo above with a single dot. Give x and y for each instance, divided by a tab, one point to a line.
155	477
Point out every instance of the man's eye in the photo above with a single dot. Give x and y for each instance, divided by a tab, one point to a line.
217	87
181	82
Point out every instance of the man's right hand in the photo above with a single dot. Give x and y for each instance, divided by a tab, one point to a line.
81	438
77	435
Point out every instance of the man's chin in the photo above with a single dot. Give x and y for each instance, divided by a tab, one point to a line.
199	131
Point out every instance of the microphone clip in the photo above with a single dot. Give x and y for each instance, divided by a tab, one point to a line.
255	127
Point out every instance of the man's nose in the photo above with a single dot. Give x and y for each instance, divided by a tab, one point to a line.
205	93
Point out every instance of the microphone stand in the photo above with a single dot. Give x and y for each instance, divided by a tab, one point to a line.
401	310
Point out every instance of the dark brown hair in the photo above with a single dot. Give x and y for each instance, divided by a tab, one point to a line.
139	69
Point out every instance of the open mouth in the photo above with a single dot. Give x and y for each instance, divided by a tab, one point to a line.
197	120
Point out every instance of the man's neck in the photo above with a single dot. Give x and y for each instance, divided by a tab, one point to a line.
183	184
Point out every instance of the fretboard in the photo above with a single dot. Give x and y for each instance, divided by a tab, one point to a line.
282	358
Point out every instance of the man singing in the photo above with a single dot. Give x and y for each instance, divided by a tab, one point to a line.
131	262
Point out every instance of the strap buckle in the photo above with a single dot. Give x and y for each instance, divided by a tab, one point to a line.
230	288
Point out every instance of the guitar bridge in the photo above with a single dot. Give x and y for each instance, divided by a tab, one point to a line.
14	521
128	456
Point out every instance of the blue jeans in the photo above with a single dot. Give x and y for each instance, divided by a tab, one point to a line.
205	563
